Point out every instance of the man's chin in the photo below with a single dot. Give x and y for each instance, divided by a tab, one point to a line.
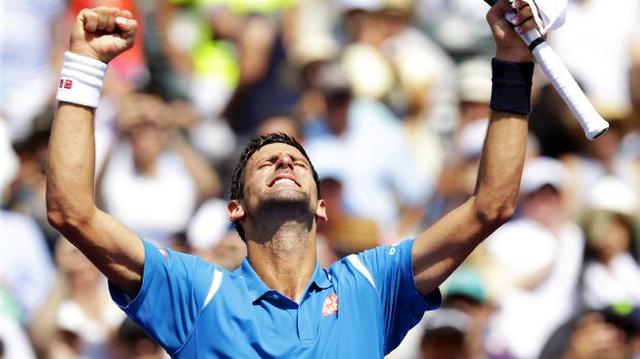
290	198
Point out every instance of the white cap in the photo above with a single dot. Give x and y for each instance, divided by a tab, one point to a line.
366	5
209	225
522	248
471	138
474	80
613	194
359	62
314	46
542	171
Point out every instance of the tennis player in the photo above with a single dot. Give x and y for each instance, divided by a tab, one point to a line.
279	303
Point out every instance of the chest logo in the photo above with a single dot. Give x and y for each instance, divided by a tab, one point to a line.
330	305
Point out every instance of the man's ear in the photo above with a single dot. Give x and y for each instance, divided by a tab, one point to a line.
235	210
321	210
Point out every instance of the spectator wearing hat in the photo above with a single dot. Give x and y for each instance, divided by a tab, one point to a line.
611	273
347	142
462	321
444	335
601	158
534	264
612	333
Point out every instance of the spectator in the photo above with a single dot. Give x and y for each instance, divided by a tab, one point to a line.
14	342
601	158
153	180
423	68
611	270
8	161
131	342
609	90
78	318
31	39
211	236
535	264
465	322
444	335
612	333
347	143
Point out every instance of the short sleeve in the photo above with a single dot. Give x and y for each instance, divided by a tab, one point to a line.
170	300
391	269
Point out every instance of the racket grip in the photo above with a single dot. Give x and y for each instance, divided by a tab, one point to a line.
589	119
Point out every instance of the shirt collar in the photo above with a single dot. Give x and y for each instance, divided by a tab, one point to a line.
257	288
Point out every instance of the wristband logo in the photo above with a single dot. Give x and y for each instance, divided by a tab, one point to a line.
67	84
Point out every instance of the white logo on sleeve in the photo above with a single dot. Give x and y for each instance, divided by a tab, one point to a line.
392	251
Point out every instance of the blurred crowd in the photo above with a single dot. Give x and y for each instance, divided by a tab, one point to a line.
390	99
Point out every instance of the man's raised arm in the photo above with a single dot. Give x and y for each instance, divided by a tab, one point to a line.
97	36
441	248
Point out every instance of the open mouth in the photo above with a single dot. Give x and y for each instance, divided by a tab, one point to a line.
284	181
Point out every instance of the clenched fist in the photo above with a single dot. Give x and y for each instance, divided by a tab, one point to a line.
509	47
103	33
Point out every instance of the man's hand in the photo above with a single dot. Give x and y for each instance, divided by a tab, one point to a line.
103	33
509	46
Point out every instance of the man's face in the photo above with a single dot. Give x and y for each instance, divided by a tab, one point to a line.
278	174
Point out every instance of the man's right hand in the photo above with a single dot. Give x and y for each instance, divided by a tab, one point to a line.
509	46
102	33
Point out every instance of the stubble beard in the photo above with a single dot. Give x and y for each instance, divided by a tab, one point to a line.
286	202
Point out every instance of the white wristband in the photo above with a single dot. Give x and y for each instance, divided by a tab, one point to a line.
81	80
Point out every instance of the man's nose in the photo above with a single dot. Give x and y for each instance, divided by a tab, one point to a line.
284	161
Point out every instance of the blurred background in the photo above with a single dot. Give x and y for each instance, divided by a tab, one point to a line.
390	98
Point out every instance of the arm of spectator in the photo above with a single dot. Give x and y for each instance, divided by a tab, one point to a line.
205	177
112	248
44	328
180	59
441	248
256	42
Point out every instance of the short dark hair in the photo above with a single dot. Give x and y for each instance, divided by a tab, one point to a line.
256	143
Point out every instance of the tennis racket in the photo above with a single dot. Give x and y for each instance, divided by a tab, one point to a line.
589	119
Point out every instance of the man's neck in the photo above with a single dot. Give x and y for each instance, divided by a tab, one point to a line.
286	261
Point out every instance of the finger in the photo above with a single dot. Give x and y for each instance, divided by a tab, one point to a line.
523	14
125	13
527	25
103	17
90	20
111	20
518	4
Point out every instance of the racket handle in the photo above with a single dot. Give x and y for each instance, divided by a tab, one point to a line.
589	119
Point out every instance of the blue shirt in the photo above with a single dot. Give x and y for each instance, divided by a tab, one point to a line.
360	307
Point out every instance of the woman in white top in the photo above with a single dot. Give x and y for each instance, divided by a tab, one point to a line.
611	272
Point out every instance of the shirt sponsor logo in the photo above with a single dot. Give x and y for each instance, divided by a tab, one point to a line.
330	305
